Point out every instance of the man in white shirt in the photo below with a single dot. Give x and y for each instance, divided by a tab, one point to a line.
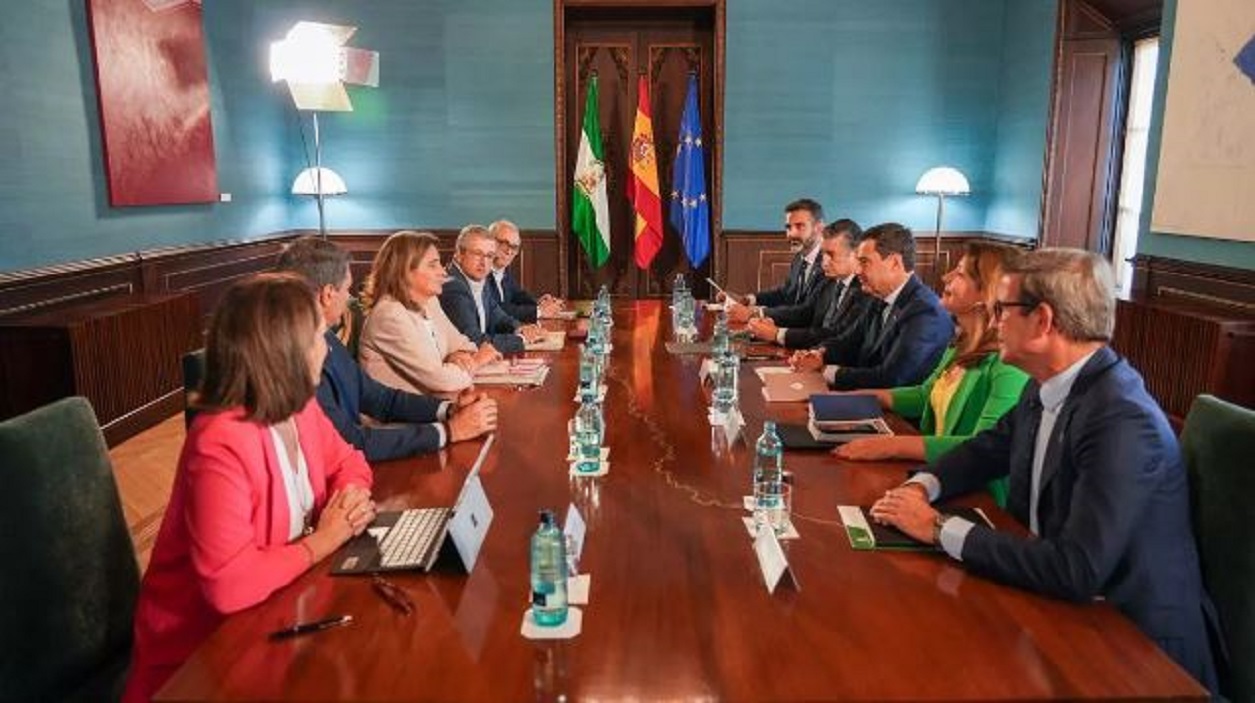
463	299
1095	470
803	227
513	298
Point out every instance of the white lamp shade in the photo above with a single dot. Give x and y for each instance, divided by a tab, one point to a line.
307	182
943	180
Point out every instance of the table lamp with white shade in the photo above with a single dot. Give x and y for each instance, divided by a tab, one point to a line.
941	181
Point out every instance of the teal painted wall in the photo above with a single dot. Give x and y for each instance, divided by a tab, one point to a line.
1028	43
851	101
846	100
1205	250
53	201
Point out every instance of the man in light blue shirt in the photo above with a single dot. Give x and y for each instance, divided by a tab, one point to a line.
1095	471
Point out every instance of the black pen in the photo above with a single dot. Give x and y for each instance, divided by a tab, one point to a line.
315	626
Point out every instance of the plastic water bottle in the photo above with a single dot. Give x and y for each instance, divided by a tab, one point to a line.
768	477
679	291
721	343
589	431
727	375
549	604
588	367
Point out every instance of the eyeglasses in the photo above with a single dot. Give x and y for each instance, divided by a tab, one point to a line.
392	595
479	254
507	245
1000	307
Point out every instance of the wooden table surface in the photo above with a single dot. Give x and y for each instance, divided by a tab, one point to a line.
678	609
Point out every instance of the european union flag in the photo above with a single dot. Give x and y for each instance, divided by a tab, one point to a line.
690	209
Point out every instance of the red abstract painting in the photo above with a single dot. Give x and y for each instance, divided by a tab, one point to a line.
153	90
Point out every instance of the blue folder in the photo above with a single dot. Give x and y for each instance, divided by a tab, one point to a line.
826	407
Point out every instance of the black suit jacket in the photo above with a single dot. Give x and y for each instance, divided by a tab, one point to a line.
795	288
458	304
345	393
902	352
517	302
804	324
1113	509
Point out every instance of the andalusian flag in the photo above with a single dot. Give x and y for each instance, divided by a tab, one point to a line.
590	216
643	185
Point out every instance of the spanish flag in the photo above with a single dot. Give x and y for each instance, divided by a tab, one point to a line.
643	186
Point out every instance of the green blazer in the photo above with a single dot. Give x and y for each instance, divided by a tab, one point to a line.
988	390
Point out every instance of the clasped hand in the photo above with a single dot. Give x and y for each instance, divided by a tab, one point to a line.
906	508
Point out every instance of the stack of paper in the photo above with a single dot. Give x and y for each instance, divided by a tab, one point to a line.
841	418
515	372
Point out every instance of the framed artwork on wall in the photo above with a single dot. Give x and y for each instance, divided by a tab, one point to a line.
152	86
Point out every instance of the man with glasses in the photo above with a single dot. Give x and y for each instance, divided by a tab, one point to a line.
517	302
469	307
1095	470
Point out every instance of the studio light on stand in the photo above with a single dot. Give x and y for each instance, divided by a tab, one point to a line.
941	181
314	62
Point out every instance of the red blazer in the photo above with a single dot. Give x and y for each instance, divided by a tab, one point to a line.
223	544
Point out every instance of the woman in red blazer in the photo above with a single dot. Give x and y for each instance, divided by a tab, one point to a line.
265	487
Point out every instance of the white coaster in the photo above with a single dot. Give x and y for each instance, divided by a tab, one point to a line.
602	470
577	588
567	630
605	454
791	533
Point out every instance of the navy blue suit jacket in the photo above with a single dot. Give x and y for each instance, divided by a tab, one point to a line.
1113	509
458	304
517	303
346	392
903	352
795	289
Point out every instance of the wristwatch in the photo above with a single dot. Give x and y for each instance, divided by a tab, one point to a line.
938	523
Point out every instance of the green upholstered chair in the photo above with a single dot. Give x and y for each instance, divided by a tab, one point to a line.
1218	443
193	372
70	584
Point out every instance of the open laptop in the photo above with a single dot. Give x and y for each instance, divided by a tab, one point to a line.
410	540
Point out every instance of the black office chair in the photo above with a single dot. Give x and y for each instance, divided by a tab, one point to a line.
193	372
70	584
1218	442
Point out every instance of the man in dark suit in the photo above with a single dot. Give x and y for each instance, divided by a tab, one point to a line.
803	227
901	340
466	302
838	303
1095	470
417	424
517	302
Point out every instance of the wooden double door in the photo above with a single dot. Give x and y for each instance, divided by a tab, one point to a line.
619	44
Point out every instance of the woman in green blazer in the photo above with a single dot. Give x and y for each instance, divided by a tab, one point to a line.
971	388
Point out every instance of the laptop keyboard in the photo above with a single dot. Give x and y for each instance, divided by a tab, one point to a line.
411	537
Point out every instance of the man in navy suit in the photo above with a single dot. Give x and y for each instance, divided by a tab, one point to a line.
803	227
1095	470
466	302
838	304
513	298
899	341
417	424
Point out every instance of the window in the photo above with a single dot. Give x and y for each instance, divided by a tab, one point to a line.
1133	170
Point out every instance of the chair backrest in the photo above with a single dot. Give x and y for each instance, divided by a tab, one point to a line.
70	584
193	372
1218	443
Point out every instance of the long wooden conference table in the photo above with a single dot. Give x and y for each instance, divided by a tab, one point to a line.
678	607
